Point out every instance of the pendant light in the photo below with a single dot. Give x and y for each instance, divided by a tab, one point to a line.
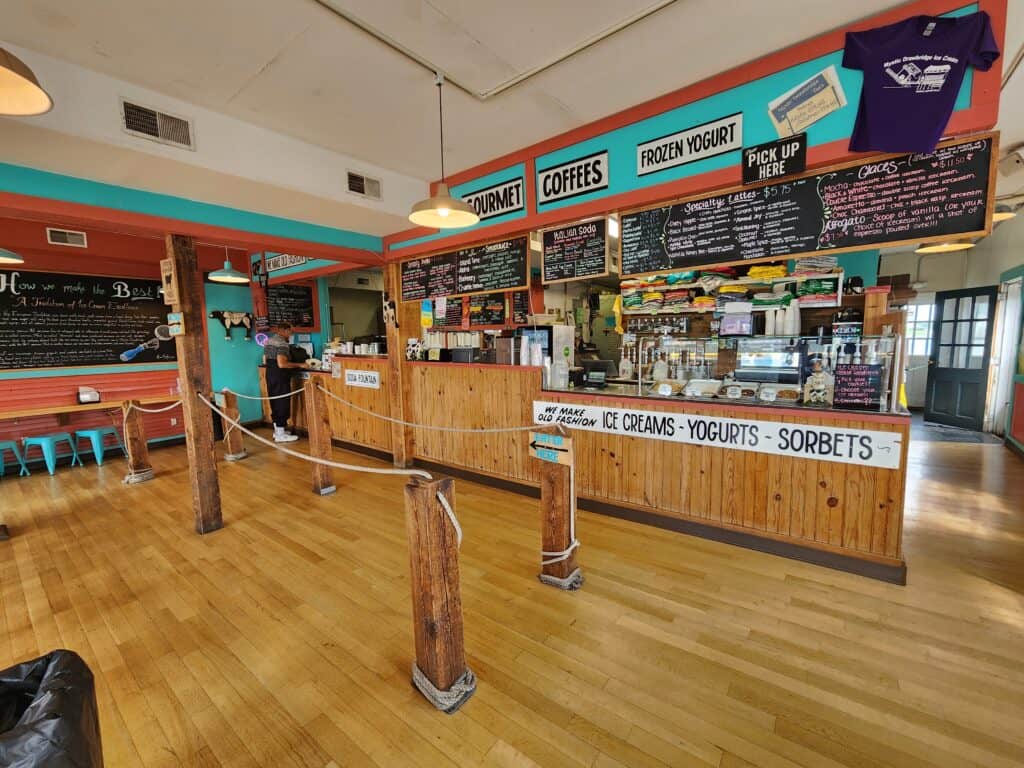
949	247
442	211
228	274
20	92
1002	212
10	257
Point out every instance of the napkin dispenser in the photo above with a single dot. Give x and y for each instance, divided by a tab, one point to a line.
88	395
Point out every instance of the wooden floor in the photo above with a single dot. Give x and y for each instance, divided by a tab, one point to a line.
285	639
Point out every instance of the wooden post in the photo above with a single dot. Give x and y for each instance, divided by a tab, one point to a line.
194	378
876	305
557	508
318	427
398	387
139	468
234	450
440	672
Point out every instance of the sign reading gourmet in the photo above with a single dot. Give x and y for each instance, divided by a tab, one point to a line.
902	198
500	266
576	177
497	200
54	320
575	252
844	446
688	146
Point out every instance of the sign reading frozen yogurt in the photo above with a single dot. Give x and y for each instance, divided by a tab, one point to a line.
688	146
845	446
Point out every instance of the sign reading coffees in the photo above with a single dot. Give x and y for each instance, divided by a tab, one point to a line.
497	200
577	177
845	446
688	146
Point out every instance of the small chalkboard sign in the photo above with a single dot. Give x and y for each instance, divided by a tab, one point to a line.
858	385
520	307
291	303
500	266
448	313
487	309
576	252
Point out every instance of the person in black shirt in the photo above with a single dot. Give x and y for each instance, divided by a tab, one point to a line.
280	369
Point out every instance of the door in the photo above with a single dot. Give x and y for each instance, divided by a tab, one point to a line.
958	363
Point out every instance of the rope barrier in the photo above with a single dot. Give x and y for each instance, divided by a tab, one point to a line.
482	430
271	397
340	465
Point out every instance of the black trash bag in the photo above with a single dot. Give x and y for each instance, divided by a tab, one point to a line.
48	714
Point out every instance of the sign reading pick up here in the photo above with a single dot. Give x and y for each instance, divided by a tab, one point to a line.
845	446
688	146
497	200
576	177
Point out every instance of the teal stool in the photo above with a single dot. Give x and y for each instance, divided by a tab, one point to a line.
48	444
10	445
96	438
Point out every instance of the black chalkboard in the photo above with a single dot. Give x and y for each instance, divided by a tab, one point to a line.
858	385
55	320
903	198
500	266
520	307
487	309
452	317
575	252
291	303
429	278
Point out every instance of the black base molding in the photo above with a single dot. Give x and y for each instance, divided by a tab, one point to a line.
893	574
1013	446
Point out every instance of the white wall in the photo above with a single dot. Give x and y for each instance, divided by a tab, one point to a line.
87	105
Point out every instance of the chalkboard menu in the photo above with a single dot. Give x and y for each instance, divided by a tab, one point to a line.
575	252
53	320
451	317
500	266
520	307
903	198
290	303
487	309
858	385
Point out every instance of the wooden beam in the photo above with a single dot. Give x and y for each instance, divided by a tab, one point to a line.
194	377
441	673
318	427
557	508
139	468
876	306
234	450
400	400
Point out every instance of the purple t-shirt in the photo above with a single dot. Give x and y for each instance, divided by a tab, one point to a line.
913	70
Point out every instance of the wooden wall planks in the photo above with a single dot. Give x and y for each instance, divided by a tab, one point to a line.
844	508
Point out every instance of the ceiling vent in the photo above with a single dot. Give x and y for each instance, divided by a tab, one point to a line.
68	237
157	126
363	186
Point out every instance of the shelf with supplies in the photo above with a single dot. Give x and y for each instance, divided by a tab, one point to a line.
808	301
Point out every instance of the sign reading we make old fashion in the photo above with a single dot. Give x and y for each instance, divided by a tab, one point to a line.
868	448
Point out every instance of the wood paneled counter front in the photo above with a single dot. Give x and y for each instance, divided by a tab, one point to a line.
844	515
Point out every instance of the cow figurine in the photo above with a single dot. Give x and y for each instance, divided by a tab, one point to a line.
231	319
390	312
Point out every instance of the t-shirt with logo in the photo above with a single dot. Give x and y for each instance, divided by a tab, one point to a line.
913	70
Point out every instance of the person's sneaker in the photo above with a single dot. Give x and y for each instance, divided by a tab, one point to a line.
284	437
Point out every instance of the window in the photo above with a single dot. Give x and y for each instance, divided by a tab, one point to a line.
919	328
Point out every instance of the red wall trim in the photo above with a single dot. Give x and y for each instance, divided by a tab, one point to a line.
981	115
143	225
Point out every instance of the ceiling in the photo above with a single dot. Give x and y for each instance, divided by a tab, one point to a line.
299	68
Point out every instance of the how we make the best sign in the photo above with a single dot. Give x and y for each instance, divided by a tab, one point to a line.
845	446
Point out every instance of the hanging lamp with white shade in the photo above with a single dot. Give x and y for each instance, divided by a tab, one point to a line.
441	210
228	274
20	91
10	257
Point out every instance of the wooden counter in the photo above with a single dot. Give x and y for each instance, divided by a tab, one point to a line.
347	424
846	509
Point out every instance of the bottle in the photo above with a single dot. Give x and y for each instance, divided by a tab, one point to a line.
524	350
660	370
625	366
546	373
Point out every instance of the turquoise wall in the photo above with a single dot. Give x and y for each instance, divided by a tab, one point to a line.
233	364
863	263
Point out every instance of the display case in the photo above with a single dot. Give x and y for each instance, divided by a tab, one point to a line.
848	373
